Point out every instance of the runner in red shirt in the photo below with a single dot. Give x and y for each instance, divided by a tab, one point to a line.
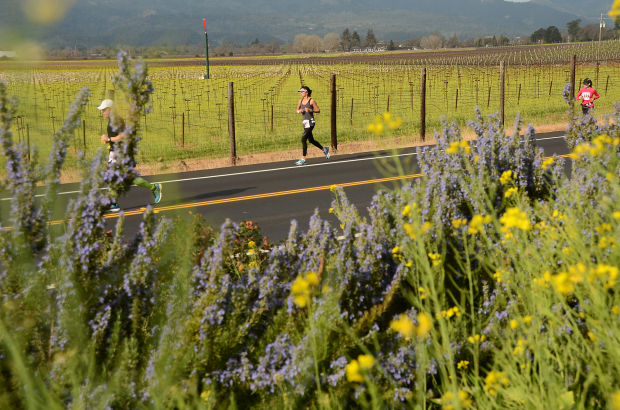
587	94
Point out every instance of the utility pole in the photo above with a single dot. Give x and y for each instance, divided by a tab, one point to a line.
204	23
600	32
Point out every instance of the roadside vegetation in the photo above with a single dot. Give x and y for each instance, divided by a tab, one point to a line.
491	282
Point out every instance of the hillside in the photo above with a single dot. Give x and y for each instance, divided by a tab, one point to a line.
160	22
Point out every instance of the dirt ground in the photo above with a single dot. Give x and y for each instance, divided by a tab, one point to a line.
292	155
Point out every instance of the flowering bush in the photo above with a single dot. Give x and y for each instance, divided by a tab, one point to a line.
491	282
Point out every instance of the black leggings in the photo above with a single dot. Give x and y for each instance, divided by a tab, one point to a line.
309	137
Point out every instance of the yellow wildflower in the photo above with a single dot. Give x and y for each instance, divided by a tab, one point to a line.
435	258
527	319
302	288
352	371
366	361
376	128
592	337
615	309
547	162
457	223
476	224
312	278
495	380
410	231
507	177
423	293
614	401
562	283
456	146
300	285
453	148
453	311
604	273
403	325
616	214
602	228
544	281
462	365
426	226
520	347
333	188
205	395
425	324
514	324
395	123
510	192
331	210
499	275
397	254
475	339
514	218
407	211
451	401
607	242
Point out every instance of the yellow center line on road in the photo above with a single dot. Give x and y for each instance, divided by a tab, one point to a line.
265	195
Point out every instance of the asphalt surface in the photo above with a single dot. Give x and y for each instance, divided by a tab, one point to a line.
272	194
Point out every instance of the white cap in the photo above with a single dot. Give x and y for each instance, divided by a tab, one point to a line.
105	104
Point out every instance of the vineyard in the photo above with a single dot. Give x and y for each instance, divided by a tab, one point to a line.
188	116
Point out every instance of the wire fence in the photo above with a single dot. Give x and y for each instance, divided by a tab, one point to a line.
189	115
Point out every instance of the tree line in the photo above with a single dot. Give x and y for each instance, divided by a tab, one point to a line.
575	32
350	40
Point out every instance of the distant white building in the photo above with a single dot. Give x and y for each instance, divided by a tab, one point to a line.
8	54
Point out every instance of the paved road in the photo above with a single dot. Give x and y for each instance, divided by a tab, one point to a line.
273	194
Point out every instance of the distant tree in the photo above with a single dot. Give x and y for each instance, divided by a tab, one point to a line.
345	40
273	47
538	35
589	32
552	35
453	42
371	40
412	43
573	29
304	43
331	41
503	40
356	41
254	42
391	46
431	42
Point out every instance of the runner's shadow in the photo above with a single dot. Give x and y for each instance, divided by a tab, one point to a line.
186	199
215	195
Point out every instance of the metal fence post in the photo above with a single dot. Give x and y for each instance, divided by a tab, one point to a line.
231	123
332	81
423	104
